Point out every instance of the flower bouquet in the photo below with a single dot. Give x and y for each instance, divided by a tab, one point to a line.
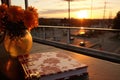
14	20
16	23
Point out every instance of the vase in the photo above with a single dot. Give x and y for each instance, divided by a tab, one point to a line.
18	45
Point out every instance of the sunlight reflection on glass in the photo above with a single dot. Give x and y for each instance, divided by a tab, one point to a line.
82	31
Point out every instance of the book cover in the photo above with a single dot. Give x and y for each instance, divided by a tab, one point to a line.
51	66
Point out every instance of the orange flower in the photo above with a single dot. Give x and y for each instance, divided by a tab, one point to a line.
15	18
3	9
15	14
31	18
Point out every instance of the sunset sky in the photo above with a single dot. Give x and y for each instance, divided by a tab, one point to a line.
79	8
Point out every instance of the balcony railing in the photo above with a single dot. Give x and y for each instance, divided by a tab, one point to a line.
91	41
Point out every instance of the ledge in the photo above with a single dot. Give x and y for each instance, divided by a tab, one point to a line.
113	57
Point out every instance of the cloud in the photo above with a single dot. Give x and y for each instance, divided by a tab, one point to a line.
57	11
74	0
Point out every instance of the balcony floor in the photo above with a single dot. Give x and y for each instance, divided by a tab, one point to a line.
97	69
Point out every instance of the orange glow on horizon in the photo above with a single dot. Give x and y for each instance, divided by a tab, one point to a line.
82	14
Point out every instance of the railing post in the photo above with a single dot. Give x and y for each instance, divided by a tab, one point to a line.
68	35
53	33
44	33
26	4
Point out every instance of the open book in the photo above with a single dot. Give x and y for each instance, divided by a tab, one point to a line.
51	66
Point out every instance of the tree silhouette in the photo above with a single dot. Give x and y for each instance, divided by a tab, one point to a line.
116	24
116	21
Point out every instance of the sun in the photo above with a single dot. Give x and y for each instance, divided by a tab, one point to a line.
82	14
